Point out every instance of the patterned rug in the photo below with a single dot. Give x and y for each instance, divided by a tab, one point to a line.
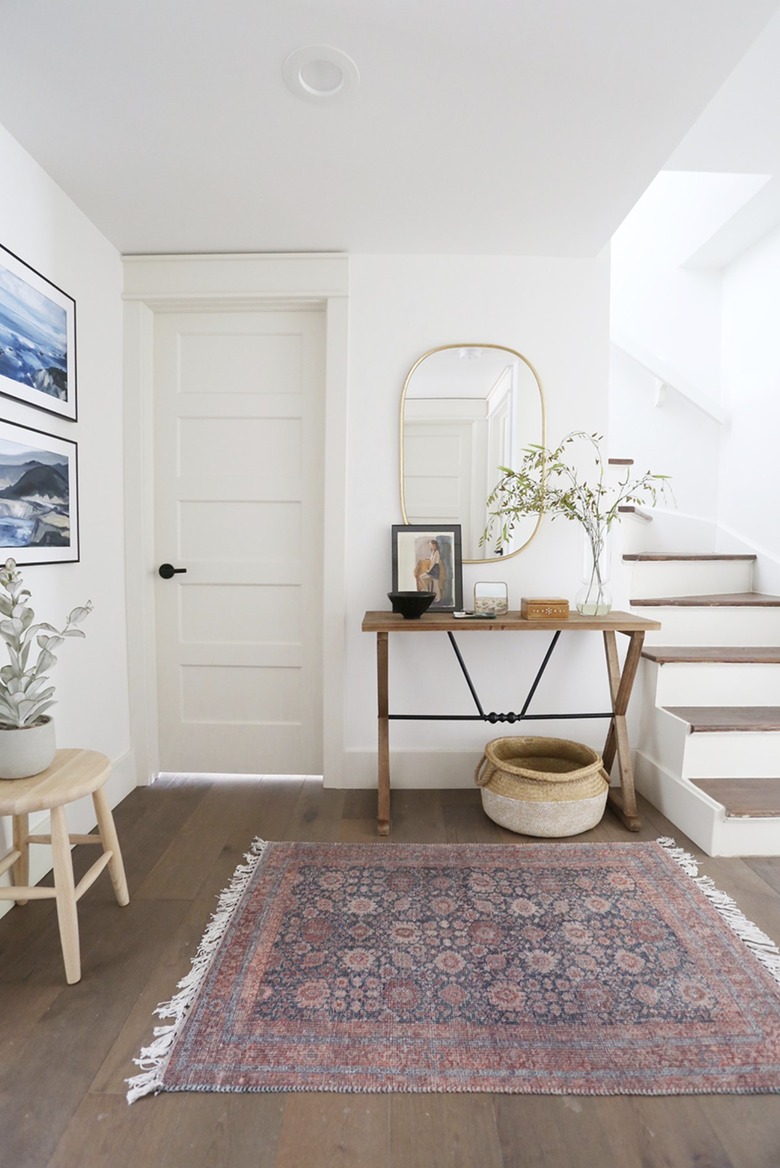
595	969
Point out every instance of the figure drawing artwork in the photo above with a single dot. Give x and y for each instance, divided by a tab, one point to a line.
37	339
38	504
428	559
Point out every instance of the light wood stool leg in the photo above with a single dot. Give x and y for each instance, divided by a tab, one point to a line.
20	871
65	895
116	868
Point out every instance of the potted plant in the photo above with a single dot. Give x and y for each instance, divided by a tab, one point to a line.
27	744
552	481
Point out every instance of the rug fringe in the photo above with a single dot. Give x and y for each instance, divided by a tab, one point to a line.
154	1058
759	944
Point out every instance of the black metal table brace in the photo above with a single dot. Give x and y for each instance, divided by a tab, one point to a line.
494	717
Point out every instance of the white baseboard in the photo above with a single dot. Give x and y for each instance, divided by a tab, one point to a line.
81	820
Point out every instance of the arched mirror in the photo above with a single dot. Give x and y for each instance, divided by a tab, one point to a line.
466	411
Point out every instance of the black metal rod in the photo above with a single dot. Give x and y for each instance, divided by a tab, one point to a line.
470	683
493	717
542	668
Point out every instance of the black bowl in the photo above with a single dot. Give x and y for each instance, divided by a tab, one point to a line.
411	605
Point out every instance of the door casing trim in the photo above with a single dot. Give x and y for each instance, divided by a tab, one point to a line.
158	284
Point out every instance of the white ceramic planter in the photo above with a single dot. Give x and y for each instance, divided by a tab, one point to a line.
28	750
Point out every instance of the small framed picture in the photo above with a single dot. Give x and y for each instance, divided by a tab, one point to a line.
428	559
37	339
38	497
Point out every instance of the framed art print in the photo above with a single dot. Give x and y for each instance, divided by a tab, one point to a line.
37	339
38	497
427	558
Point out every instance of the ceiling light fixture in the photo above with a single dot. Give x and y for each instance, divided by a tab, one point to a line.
320	74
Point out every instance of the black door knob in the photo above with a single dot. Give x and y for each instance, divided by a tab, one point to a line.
168	570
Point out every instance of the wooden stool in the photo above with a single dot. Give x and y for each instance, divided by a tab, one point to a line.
72	775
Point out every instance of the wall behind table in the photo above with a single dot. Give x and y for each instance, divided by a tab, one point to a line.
556	313
46	230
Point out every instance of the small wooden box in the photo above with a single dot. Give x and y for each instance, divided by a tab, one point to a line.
543	607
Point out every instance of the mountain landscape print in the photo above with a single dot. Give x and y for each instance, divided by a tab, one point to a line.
37	488
37	339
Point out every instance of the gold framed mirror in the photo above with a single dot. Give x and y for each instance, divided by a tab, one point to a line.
466	411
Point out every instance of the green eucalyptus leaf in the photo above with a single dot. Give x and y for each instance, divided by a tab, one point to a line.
11	629
45	661
24	689
80	614
37	708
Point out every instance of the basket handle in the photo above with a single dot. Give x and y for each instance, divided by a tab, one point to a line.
483	779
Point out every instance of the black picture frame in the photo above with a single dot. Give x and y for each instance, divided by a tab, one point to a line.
39	521
37	339
411	543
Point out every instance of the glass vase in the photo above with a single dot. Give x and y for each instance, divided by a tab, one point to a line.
594	597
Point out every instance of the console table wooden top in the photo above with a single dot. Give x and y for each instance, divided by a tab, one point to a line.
621	681
442	622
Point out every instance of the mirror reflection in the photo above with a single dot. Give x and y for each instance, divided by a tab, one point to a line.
466	411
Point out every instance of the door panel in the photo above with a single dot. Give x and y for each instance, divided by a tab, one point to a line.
238	489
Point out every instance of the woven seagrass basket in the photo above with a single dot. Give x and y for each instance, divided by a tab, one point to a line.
542	786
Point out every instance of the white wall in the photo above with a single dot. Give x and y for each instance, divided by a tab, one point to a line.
669	313
714	329
668	436
45	229
749	494
555	312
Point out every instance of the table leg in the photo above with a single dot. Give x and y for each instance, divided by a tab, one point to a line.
620	685
65	891
20	870
116	868
383	755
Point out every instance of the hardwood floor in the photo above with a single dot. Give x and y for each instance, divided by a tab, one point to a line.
66	1050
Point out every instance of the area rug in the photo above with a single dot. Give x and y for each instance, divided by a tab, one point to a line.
595	969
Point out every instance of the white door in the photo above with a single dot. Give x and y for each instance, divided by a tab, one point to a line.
239	407
443	474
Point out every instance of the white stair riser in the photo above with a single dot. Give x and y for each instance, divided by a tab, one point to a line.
713	625
689	577
667	740
702	819
731	755
705	683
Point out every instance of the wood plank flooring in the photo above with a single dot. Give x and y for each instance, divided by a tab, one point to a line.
66	1050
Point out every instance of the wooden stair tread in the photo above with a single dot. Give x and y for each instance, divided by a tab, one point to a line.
710	600
720	654
744	798
684	557
717	719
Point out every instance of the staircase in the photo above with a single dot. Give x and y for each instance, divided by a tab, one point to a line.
709	734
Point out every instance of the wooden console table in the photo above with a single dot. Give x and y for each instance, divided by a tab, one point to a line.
621	682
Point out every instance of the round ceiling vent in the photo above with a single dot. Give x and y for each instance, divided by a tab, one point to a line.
321	74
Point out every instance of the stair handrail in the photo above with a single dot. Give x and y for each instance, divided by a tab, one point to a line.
668	378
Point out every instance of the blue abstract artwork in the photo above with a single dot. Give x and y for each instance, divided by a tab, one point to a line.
37	339
37	496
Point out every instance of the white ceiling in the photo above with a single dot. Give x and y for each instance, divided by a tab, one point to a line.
506	126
